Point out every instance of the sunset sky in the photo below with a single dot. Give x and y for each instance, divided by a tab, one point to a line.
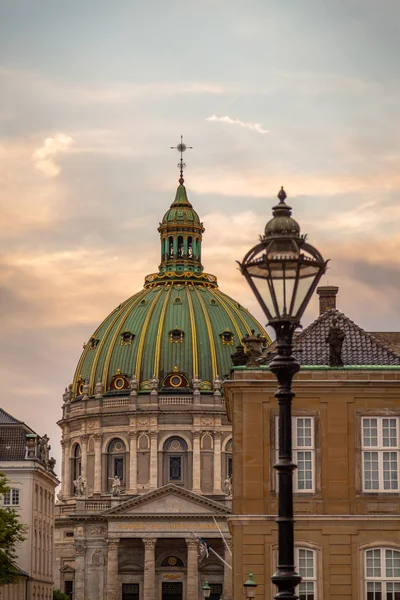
300	93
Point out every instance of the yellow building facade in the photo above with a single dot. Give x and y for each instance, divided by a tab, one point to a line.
346	443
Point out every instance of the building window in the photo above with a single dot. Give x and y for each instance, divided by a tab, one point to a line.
175	457
382	574
116	462
305	560
12	497
69	589
175	468
77	462
303	453
227	337
380	454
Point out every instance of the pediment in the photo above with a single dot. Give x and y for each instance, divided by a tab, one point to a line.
169	500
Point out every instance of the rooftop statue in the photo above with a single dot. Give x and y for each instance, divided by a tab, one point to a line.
335	340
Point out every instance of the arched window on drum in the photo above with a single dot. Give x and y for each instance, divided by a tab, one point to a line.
76	464
116	462
175	461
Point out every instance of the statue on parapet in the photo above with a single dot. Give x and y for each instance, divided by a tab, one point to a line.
80	487
115	486
228	486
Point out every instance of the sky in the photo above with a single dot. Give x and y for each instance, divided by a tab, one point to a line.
299	93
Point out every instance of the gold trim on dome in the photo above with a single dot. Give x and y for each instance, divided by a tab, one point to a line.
247	326
157	352
99	348
210	335
176	385
230	314
131	303
119	383
144	331
207	278
195	356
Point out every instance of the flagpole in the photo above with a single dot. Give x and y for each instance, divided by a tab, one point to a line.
223	537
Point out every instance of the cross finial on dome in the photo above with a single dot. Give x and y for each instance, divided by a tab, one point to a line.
181	165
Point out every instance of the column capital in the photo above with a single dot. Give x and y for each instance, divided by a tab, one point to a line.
196	434
217	434
154	434
96	436
192	544
80	549
113	543
149	543
84	438
132	434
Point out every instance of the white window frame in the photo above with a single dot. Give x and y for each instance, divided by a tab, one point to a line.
12	497
308	587
296	449
379	449
382	582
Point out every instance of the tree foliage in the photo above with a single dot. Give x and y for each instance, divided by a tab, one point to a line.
12	532
58	595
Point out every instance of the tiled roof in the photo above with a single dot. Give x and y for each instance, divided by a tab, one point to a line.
12	443
391	339
359	347
7	419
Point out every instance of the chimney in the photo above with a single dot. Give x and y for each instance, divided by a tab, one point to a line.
327	297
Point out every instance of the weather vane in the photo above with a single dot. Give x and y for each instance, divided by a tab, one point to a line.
181	165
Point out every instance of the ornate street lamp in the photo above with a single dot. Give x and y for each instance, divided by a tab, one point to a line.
283	271
206	590
250	587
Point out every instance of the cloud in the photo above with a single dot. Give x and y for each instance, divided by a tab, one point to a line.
44	157
252	126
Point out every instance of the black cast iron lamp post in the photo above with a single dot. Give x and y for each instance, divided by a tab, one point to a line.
283	271
250	587
206	590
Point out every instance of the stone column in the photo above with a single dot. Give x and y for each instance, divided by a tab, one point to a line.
192	581
227	591
217	463
132	462
63	465
67	470
196	463
79	585
97	463
112	569
149	591
153	460
83	442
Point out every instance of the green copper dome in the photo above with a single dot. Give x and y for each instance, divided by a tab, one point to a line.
180	327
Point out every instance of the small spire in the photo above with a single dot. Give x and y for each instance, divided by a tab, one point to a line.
282	195
181	165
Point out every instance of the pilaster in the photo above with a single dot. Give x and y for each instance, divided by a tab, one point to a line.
112	569
227	594
132	462
192	581
149	568
97	463
217	463
153	460
196	463
80	555
83	443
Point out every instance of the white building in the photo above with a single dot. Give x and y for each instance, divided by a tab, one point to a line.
24	460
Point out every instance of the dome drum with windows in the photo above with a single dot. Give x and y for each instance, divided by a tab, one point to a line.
177	334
